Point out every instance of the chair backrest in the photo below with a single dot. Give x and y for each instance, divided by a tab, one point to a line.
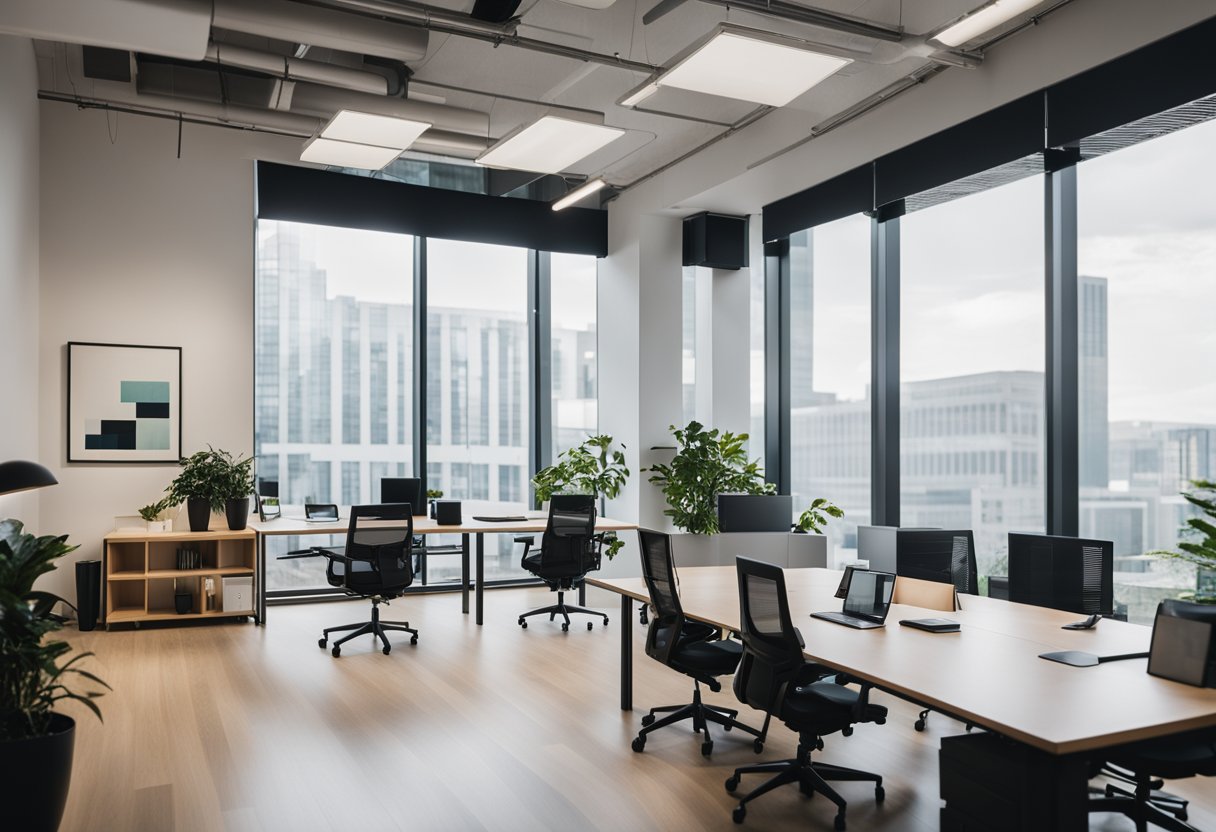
772	646
1064	573
1184	643
929	595
659	570
943	555
568	548
382	535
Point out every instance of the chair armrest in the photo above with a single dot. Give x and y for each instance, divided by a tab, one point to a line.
299	553
527	539
801	640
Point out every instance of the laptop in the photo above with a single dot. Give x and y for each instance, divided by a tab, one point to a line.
320	513
867	603
404	490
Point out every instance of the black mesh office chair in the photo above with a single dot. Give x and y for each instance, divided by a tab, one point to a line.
1144	766
569	550
691	647
774	677
375	564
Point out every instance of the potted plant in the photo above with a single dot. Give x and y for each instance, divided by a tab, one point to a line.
590	468
199	486
236	485
815	519
152	515
433	494
707	463
35	742
1198	543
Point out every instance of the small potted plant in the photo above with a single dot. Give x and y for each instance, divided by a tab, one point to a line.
433	494
35	741
211	480
236	485
153	516
590	468
815	519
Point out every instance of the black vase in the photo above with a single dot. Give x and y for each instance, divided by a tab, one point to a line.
199	511
237	511
37	773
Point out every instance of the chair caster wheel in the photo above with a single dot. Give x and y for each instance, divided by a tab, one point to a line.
322	643
838	824
337	651
605	621
919	725
524	624
845	732
648	720
386	650
732	783
758	746
638	744
728	726
413	639
707	748
880	794
590	625
739	814
819	744
565	628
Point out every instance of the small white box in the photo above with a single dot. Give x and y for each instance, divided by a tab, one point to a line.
238	594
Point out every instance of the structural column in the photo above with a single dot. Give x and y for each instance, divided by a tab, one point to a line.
884	369
1061	402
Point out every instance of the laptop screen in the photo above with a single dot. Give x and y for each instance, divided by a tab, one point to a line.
870	594
320	511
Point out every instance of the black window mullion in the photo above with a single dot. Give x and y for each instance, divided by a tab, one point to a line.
1061	398
884	371
420	363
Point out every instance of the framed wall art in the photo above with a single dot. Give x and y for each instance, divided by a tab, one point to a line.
124	403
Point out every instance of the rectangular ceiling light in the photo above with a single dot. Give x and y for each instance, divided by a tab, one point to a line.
323	151
759	68
549	145
984	20
581	192
371	128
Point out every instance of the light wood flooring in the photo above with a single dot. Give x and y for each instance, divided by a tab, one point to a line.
237	727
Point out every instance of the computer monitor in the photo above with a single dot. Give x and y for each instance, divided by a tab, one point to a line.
1063	573
943	555
404	490
755	512
876	545
869	595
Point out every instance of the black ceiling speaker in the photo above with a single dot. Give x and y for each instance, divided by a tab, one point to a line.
716	241
107	64
494	11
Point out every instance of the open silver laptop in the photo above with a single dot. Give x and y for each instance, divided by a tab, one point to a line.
867	603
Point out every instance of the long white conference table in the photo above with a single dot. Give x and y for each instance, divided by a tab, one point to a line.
989	674
288	526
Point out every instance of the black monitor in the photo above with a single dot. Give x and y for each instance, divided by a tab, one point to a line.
946	556
404	490
1063	573
755	512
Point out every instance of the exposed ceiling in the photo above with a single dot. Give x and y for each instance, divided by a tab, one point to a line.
508	86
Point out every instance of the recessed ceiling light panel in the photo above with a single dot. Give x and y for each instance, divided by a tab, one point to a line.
324	151
983	20
763	70
371	128
549	145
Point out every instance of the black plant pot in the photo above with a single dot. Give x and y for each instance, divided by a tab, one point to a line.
37	773
199	511
237	511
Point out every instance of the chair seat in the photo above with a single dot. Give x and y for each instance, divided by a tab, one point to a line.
1171	758
821	705
711	658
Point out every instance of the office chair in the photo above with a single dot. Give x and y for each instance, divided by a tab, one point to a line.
374	564
690	647
774	677
1144	766
569	550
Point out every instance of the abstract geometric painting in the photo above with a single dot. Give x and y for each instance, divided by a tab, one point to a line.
124	403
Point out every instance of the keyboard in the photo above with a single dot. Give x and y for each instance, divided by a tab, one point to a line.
513	518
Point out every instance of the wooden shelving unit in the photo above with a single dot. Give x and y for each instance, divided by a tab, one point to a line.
141	577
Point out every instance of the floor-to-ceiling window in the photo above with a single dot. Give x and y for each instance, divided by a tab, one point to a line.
830	373
971	367
1146	295
574	362
333	363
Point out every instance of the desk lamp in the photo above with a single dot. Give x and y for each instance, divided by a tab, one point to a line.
19	475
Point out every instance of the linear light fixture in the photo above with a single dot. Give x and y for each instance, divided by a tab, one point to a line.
983	20
549	145
639	94
323	151
584	190
374	129
748	65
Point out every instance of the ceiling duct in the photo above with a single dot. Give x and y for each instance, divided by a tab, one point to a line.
174	28
298	69
315	26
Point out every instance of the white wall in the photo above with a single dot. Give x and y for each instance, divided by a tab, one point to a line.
140	247
19	267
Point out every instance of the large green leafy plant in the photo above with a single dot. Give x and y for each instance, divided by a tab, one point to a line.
1198	543
593	467
707	463
214	476
817	516
32	677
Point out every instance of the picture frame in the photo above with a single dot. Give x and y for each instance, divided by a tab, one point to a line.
124	403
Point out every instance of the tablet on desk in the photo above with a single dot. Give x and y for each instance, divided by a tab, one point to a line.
932	625
321	513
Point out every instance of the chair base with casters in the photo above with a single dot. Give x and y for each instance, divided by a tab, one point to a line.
563	609
922	720
701	715
375	628
812	777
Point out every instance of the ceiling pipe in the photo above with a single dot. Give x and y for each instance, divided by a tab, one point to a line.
316	99
297	69
315	26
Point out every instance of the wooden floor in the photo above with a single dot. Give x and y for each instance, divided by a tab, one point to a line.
232	726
